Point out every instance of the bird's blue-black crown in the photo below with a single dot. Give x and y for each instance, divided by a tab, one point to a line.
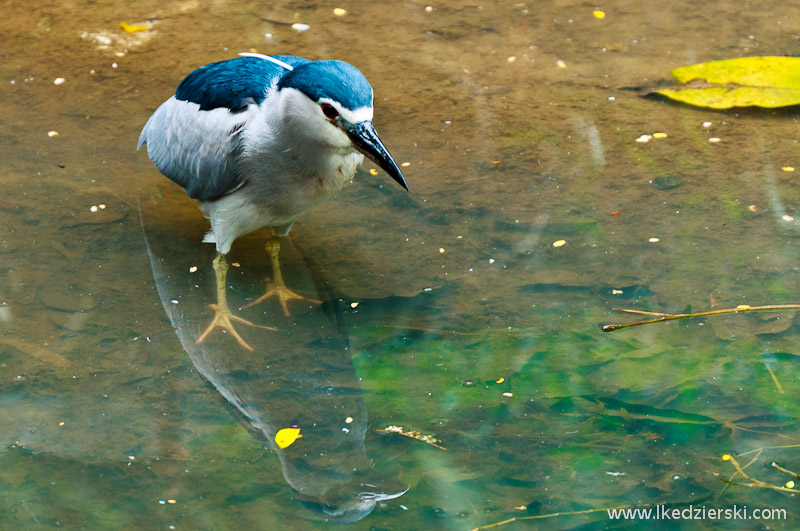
335	80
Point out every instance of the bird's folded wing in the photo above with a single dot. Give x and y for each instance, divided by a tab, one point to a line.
197	149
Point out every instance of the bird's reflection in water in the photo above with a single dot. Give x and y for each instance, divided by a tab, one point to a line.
302	375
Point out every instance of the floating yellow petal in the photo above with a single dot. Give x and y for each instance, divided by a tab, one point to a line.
559	243
726	457
130	28
790	484
787	168
287	437
598	14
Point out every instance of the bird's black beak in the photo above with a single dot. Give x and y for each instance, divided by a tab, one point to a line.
366	139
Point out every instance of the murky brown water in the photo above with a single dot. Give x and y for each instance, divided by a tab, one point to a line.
520	130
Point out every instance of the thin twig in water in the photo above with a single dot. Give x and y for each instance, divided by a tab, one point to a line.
672	316
551	515
740	471
775	379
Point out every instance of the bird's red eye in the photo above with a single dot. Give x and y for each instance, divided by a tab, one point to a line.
329	110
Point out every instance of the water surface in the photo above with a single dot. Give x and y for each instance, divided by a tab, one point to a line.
448	309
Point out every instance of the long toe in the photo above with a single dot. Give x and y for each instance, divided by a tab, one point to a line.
224	318
284	295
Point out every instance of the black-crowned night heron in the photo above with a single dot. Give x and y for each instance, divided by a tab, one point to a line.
257	141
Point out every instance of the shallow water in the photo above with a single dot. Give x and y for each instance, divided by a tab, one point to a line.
440	303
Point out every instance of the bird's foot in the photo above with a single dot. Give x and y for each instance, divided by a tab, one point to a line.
284	295
224	318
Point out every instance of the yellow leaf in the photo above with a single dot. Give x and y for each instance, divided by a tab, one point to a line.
740	82
131	28
287	437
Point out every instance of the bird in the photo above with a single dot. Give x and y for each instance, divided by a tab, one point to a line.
257	141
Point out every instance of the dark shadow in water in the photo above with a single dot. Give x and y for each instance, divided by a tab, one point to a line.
300	375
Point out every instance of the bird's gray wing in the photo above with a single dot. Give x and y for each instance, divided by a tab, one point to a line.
199	150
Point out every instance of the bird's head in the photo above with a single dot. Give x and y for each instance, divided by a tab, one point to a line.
332	102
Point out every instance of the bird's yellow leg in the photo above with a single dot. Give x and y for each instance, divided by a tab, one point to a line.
277	288
223	317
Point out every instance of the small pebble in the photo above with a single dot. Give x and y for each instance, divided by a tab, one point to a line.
441	250
192	269
348	420
511	59
405	164
508	395
667	182
300	28
559	243
429	9
58	81
93	208
561	64
354	304
338	11
714	139
644	138
654	240
51	134
706	124
787	217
